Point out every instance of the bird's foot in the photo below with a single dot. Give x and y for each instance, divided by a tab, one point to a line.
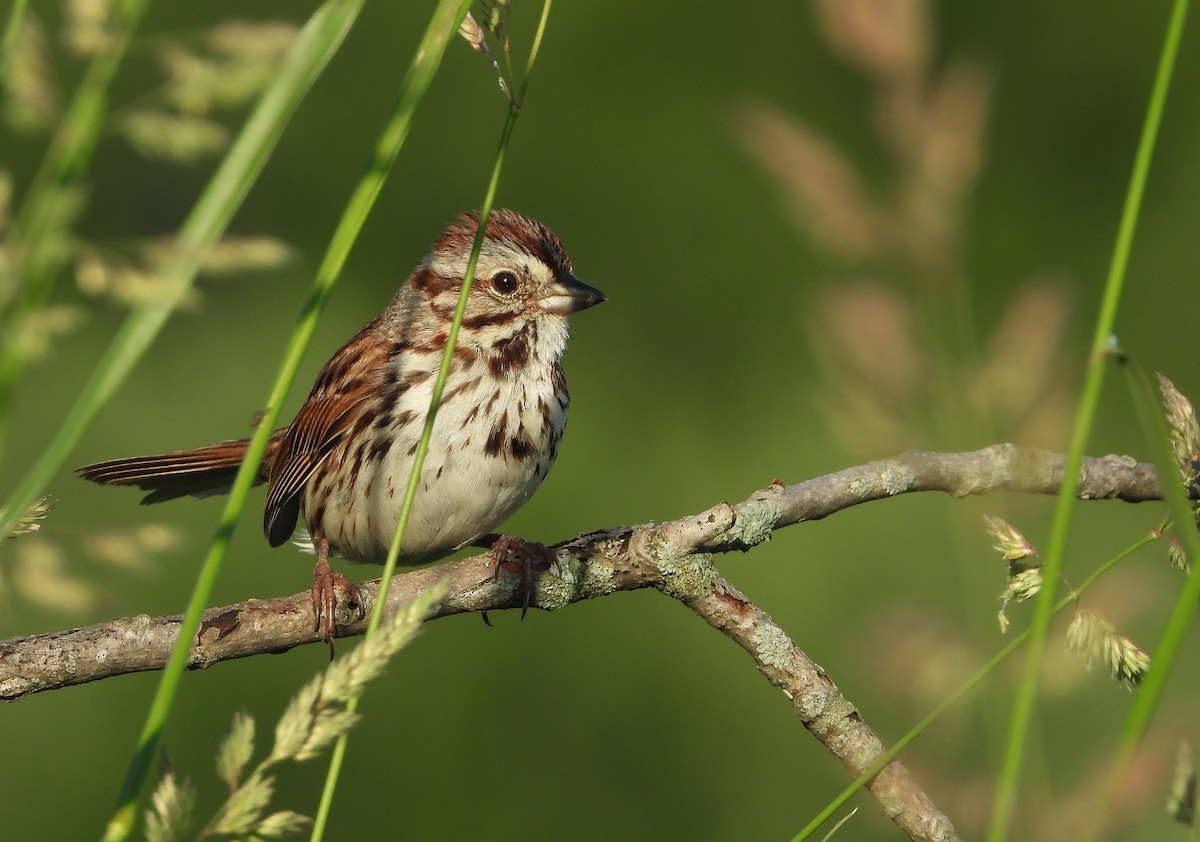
526	556
324	595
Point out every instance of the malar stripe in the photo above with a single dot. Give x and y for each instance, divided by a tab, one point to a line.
510	353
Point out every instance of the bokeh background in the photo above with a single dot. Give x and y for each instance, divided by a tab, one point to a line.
828	233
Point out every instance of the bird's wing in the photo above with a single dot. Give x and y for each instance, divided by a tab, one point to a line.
339	402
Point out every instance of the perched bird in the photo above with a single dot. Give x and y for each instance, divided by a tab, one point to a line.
344	461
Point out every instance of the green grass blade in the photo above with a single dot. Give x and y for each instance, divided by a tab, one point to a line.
443	374
1022	712
1164	655
203	227
338	755
66	158
953	699
318	41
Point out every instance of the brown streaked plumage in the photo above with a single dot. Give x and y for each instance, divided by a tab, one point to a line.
344	461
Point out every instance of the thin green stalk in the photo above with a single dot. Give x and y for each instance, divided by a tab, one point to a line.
1149	408
317	42
953	699
203	227
1022	712
439	384
11	30
1147	402
66	158
337	757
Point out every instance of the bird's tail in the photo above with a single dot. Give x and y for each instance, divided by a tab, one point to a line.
199	472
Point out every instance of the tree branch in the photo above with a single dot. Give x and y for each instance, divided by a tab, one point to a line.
825	712
674	557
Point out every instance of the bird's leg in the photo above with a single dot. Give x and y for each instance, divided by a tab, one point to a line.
324	594
511	550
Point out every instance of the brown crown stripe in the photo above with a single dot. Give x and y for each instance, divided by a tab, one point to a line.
529	235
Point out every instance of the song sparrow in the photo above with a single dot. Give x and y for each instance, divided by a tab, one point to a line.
344	461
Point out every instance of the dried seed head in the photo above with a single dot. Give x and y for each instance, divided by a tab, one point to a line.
40	573
31	521
252	39
1024	579
171	809
1185	433
171	137
31	96
86	29
1010	543
236	749
828	196
891	39
476	35
132	549
1092	638
1177	555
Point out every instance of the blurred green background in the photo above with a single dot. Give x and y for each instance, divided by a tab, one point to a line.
718	364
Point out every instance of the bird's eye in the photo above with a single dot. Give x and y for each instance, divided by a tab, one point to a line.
505	283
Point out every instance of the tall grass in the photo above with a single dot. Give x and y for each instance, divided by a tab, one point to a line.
1098	362
318	41
68	158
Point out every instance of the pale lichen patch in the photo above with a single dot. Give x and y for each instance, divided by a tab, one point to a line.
811	705
571	580
682	575
688	576
755	523
896	480
772	647
862	487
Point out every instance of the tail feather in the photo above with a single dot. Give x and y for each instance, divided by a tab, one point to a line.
199	472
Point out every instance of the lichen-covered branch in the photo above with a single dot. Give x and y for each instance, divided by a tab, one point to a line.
595	564
674	557
825	712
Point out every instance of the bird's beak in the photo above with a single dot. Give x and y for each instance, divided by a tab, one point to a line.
569	295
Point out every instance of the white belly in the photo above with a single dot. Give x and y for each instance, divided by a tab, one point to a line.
467	489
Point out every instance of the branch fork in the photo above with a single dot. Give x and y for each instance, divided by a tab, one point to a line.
675	558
